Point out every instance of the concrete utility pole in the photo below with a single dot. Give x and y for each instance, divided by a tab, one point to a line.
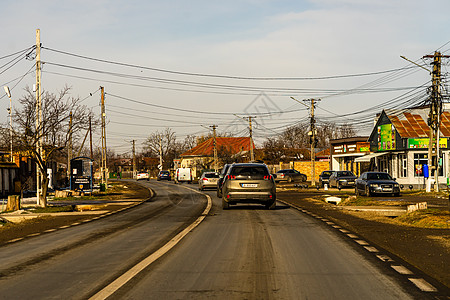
39	129
434	117
216	168
134	159
252	155
313	141
8	93
104	169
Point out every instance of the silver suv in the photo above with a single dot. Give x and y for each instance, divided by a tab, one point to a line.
248	183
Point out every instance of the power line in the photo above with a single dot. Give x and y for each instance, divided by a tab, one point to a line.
222	76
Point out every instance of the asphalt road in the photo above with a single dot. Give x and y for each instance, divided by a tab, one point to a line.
246	252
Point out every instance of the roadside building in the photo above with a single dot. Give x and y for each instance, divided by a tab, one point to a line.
229	149
399	145
346	151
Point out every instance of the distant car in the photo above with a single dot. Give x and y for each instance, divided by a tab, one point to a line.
142	176
221	178
208	180
163	175
342	179
376	183
324	178
290	175
249	183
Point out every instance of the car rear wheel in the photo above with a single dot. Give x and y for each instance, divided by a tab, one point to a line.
367	192
225	204
271	205
289	179
356	191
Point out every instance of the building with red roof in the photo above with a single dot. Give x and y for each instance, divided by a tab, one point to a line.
229	149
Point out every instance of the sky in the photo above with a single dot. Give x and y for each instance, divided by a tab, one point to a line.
188	65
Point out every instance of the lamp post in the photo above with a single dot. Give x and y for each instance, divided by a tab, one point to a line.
10	119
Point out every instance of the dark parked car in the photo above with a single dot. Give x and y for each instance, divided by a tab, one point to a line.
341	179
163	175
324	178
249	183
376	183
289	175
220	181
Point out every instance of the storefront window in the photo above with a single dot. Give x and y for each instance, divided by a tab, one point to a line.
420	159
403	166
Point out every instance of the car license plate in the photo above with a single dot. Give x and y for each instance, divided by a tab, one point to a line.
387	189
249	185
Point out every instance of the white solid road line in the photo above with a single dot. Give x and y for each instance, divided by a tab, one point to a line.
120	281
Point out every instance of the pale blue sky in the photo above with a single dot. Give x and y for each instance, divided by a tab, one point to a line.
317	38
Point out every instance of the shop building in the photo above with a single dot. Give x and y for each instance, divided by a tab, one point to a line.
399	145
344	153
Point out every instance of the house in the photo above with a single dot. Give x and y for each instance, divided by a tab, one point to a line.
399	145
229	149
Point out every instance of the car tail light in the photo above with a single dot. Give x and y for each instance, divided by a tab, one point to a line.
282	175
231	177
205	179
267	177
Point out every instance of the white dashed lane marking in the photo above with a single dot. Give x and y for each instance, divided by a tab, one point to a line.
401	270
423	285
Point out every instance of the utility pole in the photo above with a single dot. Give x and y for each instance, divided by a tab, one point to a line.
160	153
39	129
90	136
134	159
104	169
252	155
434	117
313	141
8	93
216	168
69	148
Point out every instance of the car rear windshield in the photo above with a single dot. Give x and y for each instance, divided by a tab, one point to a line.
383	176
249	171
345	173
211	175
164	172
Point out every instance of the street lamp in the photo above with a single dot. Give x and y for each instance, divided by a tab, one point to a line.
10	119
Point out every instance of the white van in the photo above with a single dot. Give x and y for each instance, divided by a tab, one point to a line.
184	175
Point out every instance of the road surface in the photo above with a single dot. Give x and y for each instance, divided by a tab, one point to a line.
245	252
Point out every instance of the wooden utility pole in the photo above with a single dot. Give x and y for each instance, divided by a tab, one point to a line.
39	128
313	141
69	148
104	169
134	159
160	153
90	137
216	168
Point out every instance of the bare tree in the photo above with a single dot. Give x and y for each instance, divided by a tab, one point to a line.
54	129
167	140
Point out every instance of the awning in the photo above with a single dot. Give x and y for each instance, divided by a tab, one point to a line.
366	158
